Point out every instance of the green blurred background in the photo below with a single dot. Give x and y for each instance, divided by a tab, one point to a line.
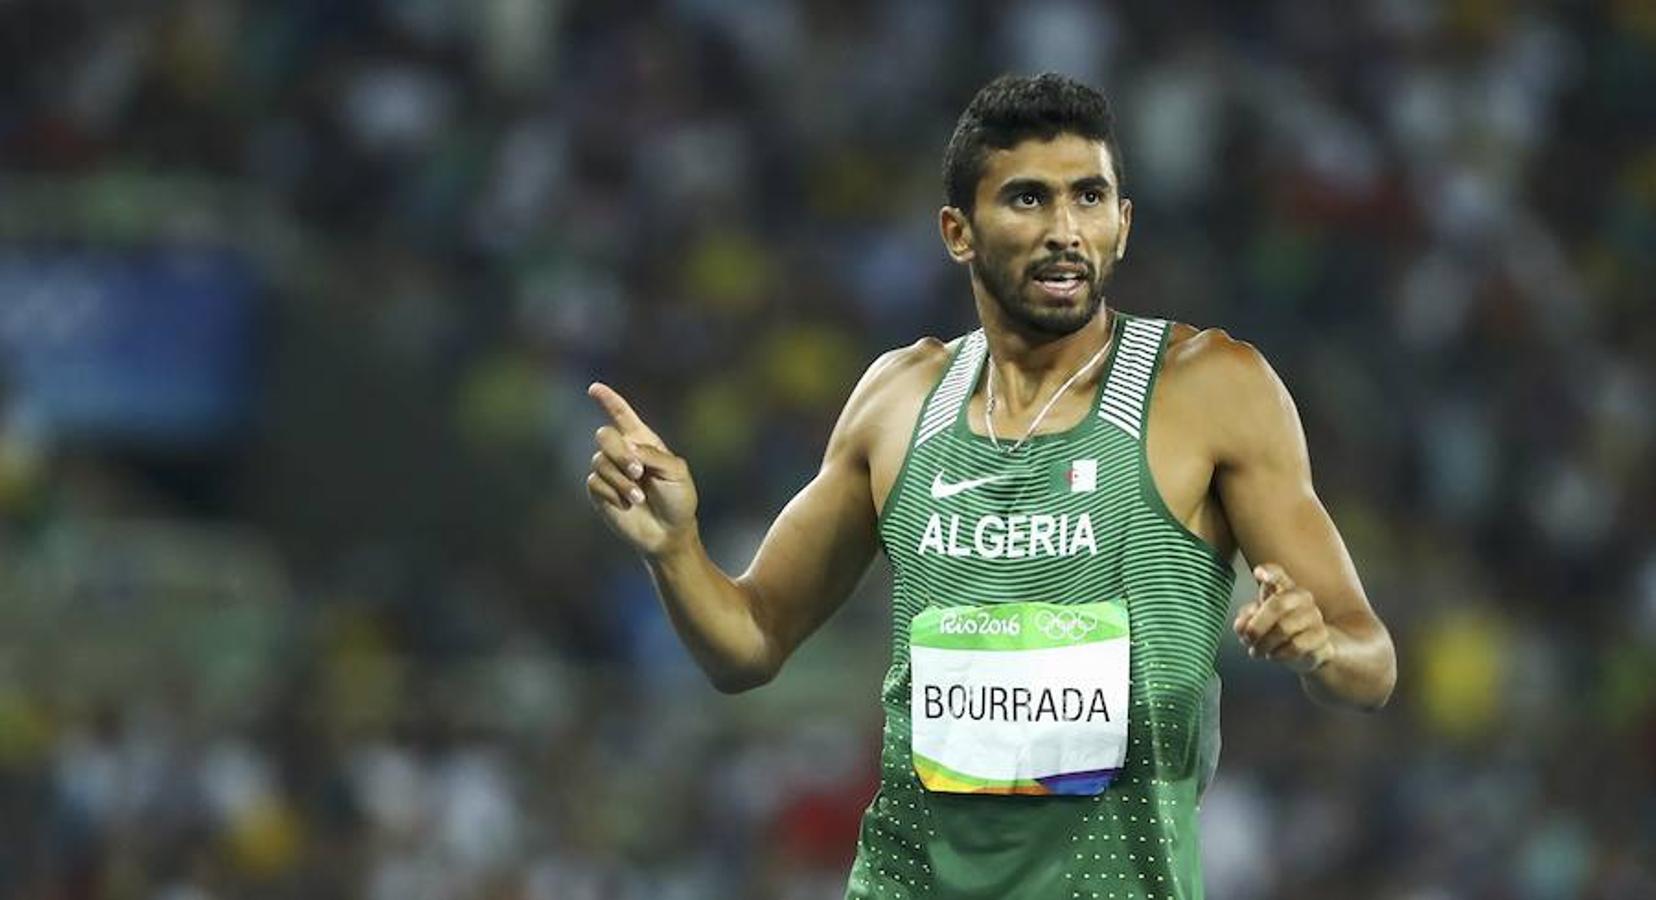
300	594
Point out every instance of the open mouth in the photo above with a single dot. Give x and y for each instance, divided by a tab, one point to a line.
1062	284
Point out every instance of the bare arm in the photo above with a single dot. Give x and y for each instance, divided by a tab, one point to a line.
1311	613
741	630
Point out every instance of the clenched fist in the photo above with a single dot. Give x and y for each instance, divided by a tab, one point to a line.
642	490
1284	623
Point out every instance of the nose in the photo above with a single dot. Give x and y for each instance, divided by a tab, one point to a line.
1063	235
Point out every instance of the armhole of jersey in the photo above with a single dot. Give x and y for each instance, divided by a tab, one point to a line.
1147	480
914	434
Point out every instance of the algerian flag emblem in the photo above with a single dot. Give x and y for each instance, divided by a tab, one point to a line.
1083	476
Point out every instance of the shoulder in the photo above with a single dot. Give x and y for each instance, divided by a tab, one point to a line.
924	358
1228	383
1211	357
891	390
903	374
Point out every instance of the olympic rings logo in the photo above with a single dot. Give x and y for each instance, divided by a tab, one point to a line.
1065	624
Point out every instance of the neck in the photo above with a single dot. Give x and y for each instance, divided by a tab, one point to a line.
1031	365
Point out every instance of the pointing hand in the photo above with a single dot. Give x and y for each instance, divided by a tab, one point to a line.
644	492
1284	623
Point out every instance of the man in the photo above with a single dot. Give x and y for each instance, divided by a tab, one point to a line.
1059	493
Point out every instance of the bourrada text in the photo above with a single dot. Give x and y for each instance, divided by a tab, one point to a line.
997	703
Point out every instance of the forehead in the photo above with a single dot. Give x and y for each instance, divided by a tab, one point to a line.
1065	158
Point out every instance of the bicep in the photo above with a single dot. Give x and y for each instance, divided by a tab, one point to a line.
1264	482
813	555
824	539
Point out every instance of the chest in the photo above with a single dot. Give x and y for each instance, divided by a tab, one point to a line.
1181	469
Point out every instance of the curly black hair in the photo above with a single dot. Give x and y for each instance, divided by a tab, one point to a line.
1014	108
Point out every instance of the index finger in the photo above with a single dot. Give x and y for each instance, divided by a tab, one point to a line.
1274	575
619	410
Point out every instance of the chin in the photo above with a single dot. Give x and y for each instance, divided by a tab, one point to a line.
1057	321
1032	309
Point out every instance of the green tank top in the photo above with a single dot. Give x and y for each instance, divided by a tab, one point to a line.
1107	535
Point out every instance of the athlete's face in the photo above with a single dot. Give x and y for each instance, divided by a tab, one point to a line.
1048	228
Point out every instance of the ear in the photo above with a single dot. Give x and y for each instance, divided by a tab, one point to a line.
1126	226
956	229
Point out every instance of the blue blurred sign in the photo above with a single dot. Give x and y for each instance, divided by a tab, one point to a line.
153	345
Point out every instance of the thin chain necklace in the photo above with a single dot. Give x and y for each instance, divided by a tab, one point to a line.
989	398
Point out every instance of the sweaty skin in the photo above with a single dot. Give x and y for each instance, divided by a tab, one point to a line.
1225	448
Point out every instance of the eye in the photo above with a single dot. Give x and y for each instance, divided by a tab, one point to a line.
1092	197
1026	199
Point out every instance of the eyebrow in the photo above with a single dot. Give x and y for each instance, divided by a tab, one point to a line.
1019	185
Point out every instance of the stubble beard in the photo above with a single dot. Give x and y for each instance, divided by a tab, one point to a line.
1008	289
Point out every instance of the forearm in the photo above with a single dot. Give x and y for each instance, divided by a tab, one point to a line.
713	615
1361	672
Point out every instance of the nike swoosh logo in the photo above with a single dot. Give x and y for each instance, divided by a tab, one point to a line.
941	489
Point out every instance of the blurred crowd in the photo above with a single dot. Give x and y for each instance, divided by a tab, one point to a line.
324	612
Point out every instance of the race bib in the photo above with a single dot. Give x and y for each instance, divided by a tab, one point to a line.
1019	698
